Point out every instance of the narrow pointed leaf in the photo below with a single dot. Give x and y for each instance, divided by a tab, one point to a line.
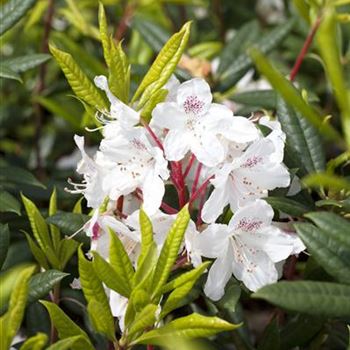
164	65
120	261
54	230
170	250
80	83
192	326
109	276
12	11
91	284
9	203
37	342
186	277
104	36
315	298
66	328
102	322
42	283
76	342
23	63
302	137
38	254
37	223
144	319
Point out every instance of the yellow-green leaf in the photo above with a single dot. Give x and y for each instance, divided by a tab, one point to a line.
80	83
164	65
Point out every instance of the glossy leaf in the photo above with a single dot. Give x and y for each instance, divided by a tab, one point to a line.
37	223
91	284
146	235
12	11
9	203
18	303
38	254
80	83
120	262
23	63
8	73
54	231
170	250
75	342
66	328
302	137
68	223
66	249
314	298
331	54
143	320
42	283
257	98
110	276
104	36
287	205
186	277
102	322
37	342
4	242
119	72
16	175
164	65
192	326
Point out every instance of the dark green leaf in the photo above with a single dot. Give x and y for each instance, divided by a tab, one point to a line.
230	299
314	298
68	223
9	203
42	283
12	11
257	98
287	205
8	73
302	137
24	63
10	174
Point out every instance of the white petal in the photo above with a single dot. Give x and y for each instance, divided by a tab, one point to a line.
176	145
215	204
219	274
208	149
212	241
258	212
241	130
153	191
118	305
253	267
168	115
194	96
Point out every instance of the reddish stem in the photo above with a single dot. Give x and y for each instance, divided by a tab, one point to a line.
152	134
304	49
204	185
200	207
196	178
189	165
150	347
120	204
124	21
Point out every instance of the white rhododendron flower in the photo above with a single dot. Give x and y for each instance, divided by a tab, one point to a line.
119	111
194	124
93	171
136	164
248	247
246	178
200	148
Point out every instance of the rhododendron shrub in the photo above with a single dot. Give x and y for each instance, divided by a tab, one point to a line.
188	205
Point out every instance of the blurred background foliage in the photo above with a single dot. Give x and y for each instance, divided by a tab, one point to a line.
39	116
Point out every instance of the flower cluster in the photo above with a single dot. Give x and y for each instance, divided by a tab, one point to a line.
221	164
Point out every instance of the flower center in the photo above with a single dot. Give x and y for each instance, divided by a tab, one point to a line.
249	225
252	162
193	105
